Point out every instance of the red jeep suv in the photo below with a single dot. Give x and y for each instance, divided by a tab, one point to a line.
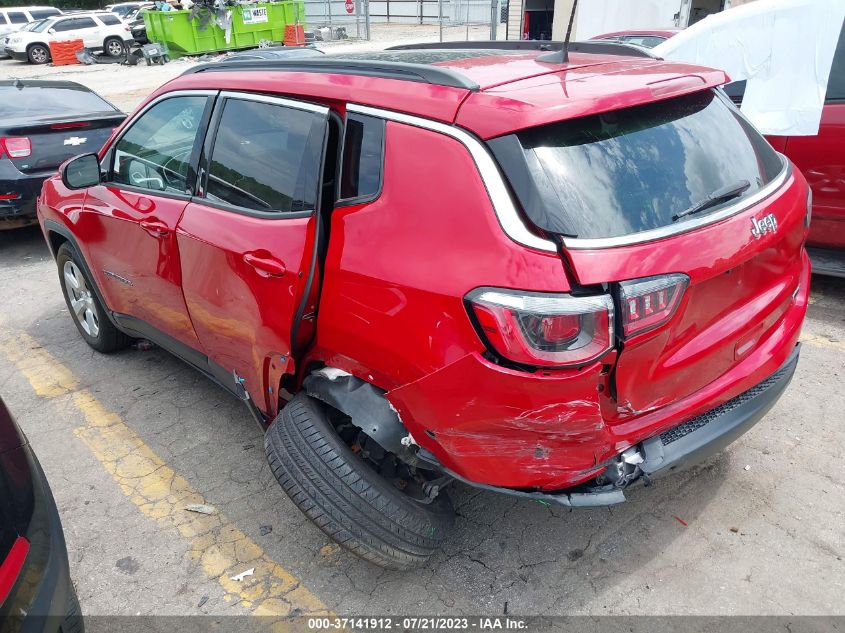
542	275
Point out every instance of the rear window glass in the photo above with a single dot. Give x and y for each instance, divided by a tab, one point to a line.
110	20
47	102
634	170
17	17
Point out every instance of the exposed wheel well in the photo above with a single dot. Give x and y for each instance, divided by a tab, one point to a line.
55	240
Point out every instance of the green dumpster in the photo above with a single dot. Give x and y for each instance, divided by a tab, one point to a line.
250	25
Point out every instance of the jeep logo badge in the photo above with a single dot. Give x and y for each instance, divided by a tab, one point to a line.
766	224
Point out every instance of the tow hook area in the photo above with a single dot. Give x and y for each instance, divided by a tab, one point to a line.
623	469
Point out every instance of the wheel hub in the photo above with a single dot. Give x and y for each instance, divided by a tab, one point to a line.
81	300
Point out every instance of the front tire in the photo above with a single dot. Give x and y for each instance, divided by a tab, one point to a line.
114	47
85	308
38	54
345	497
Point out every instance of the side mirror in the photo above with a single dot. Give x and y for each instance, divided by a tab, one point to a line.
52	31
81	172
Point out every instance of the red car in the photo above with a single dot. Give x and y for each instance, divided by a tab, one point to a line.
542	277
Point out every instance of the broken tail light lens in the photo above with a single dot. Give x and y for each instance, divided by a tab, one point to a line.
650	302
15	146
540	329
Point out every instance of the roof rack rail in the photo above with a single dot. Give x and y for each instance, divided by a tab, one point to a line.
420	73
590	48
505	45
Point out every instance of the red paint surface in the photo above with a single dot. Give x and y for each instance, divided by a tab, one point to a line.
821	158
391	309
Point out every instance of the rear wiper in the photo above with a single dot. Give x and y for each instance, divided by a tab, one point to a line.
724	194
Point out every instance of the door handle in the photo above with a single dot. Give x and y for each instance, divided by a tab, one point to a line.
155	228
267	266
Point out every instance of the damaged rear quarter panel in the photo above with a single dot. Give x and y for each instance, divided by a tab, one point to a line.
505	427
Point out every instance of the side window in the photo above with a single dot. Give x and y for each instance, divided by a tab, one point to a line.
40	14
265	157
18	17
109	20
836	83
64	25
363	152
155	153
84	23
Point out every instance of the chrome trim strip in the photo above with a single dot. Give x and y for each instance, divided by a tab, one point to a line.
506	212
684	227
290	103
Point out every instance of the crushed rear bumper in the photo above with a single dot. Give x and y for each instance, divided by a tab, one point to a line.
679	447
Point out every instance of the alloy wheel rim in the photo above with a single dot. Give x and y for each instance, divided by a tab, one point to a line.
39	54
115	48
81	299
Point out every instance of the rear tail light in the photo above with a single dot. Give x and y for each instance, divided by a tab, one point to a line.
9	196
650	302
540	329
15	146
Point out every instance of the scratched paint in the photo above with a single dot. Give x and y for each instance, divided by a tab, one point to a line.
214	542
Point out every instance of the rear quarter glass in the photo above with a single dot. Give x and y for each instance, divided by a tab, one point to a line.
633	170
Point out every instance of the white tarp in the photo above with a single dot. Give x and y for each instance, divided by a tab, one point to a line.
596	17
783	48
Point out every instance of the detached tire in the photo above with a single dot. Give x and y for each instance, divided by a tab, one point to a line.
85	309
346	498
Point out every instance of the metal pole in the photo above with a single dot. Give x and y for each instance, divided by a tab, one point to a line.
467	36
440	17
493	18
329	14
367	19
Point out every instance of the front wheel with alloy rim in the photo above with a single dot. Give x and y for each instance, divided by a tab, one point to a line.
38	54
84	306
368	506
114	47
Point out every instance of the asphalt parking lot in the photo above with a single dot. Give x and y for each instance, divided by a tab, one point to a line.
129	440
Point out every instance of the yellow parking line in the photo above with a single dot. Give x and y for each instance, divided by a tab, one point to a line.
220	549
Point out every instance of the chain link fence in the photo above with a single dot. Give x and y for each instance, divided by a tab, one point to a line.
446	20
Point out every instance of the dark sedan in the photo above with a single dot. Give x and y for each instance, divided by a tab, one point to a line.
42	124
36	593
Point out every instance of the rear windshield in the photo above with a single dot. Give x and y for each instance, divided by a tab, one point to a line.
636	169
42	101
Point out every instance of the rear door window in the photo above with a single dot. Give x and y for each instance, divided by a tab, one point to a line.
637	169
265	158
110	20
18	17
